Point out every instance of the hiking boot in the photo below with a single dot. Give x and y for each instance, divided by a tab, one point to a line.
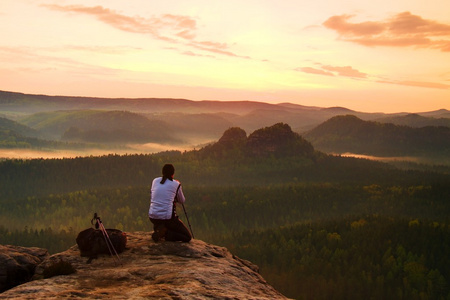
159	234
155	237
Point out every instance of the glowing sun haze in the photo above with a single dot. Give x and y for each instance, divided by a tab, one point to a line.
385	55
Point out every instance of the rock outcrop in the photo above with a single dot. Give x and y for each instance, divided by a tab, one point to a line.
17	264
234	136
149	270
277	140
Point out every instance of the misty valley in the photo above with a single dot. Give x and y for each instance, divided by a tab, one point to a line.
275	184
36	126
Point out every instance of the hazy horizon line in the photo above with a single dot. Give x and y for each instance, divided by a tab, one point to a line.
225	101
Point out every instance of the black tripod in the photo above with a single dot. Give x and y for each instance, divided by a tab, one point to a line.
99	225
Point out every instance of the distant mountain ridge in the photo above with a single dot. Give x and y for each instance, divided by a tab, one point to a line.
174	123
348	133
29	103
37	103
416	120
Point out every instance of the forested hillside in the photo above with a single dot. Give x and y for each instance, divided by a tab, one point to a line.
416	120
348	133
147	125
319	226
16	135
195	127
7	125
110	127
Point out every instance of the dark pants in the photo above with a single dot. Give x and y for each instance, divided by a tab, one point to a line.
175	229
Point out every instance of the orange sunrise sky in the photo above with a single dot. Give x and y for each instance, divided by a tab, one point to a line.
373	56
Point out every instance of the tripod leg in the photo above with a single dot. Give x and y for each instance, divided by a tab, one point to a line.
109	243
187	218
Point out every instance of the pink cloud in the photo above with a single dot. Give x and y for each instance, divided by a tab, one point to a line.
181	22
341	25
327	70
346	71
213	44
310	70
406	23
190	53
175	29
402	30
200	46
186	34
152	26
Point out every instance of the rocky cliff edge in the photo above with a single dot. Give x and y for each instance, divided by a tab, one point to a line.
149	270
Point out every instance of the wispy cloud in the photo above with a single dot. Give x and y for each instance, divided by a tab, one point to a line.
311	70
99	49
175	29
348	71
154	26
39	59
402	30
432	85
328	70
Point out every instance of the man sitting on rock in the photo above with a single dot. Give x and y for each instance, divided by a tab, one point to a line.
165	193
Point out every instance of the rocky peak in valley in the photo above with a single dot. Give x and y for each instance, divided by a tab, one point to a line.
149	270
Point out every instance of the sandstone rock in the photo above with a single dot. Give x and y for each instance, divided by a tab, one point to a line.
148	270
17	264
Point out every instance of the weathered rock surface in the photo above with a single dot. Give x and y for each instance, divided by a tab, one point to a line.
17	264
149	270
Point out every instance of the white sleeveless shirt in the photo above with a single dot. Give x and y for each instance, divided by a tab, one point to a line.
162	197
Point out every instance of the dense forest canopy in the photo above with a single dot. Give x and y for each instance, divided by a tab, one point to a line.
319	226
